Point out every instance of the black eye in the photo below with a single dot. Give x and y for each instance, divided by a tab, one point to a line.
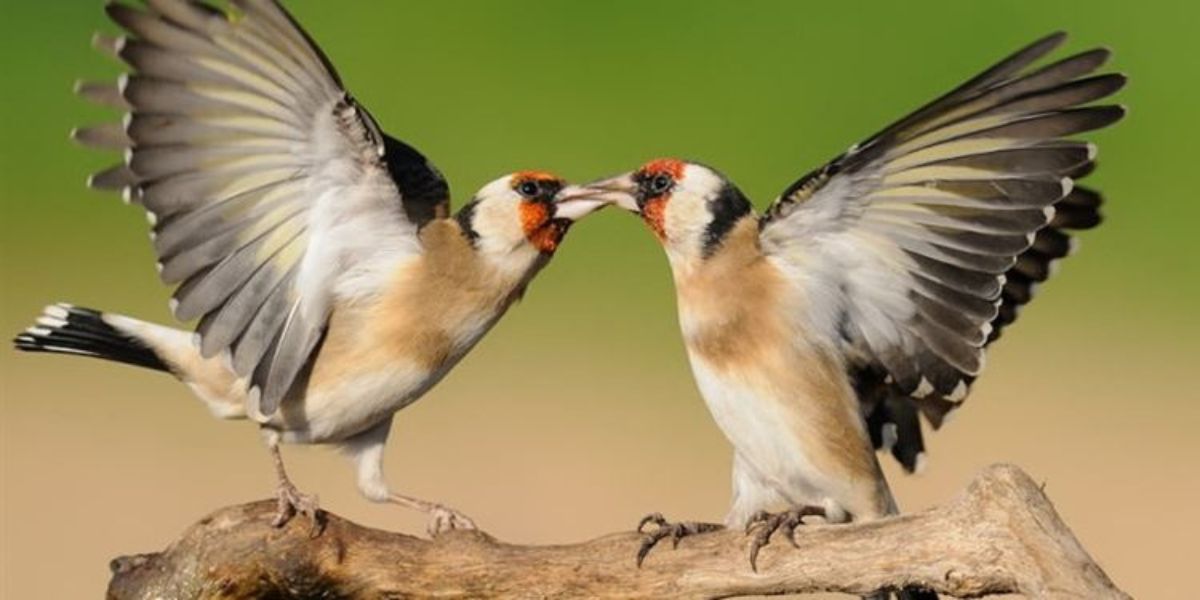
529	189
660	184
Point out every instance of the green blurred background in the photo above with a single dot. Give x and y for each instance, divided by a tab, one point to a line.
578	414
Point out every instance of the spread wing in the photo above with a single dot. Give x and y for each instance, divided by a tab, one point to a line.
923	240
272	193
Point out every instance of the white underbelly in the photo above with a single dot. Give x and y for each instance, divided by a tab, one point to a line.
337	412
334	413
763	433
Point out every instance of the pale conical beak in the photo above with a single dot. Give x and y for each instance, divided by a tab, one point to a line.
577	201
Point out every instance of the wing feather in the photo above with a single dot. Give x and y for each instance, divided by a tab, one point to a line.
261	175
223	215
256	338
107	136
104	94
219	328
938	228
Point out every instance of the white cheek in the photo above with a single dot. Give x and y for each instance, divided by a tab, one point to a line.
502	242
498	224
686	215
702	178
684	222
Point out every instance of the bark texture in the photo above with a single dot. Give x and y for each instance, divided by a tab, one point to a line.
1002	535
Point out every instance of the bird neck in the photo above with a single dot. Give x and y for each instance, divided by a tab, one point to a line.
466	266
735	248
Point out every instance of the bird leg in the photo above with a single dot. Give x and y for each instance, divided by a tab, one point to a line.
442	518
291	499
764	524
366	450
664	529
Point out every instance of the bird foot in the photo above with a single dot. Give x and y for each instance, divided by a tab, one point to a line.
764	524
443	518
292	501
665	529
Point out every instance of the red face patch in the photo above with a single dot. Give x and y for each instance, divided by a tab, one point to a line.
541	176
547	238
543	232
654	209
671	166
654	212
533	216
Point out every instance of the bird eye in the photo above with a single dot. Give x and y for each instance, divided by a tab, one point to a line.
529	189
660	184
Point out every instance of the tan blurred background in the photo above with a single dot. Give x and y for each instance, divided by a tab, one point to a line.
578	413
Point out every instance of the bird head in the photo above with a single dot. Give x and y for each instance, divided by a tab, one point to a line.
523	213
688	206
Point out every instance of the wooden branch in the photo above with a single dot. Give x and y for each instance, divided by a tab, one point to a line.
1001	536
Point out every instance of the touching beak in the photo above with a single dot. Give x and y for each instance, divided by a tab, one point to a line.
577	201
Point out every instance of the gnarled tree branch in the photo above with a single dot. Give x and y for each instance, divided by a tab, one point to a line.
1001	536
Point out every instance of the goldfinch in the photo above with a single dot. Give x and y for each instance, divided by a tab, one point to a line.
869	291
331	285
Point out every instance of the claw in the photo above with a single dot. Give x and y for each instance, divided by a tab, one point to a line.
676	535
647	545
757	518
292	501
796	519
789	529
665	529
283	514
443	519
656	518
768	523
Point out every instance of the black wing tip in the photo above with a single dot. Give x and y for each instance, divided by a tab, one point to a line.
1054	38
1043	45
1111	82
1112	113
1102	54
1105	114
118	11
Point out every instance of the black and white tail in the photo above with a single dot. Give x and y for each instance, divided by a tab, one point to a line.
67	329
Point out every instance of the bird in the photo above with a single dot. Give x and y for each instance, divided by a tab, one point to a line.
866	295
331	284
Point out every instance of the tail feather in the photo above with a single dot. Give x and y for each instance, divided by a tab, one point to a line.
67	329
